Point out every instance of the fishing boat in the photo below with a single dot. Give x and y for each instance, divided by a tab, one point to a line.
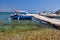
20	15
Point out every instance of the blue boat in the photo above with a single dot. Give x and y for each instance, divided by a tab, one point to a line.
21	17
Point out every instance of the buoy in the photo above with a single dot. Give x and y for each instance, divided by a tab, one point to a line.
9	18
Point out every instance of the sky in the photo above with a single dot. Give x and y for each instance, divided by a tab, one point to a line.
31	5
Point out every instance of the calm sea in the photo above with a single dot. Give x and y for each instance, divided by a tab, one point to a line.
5	15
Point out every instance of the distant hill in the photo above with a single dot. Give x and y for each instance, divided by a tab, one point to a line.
57	12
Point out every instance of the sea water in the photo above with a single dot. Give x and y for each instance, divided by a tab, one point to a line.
4	17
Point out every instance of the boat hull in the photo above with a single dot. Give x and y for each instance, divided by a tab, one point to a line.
21	17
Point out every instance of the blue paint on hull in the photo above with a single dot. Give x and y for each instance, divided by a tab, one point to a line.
21	17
